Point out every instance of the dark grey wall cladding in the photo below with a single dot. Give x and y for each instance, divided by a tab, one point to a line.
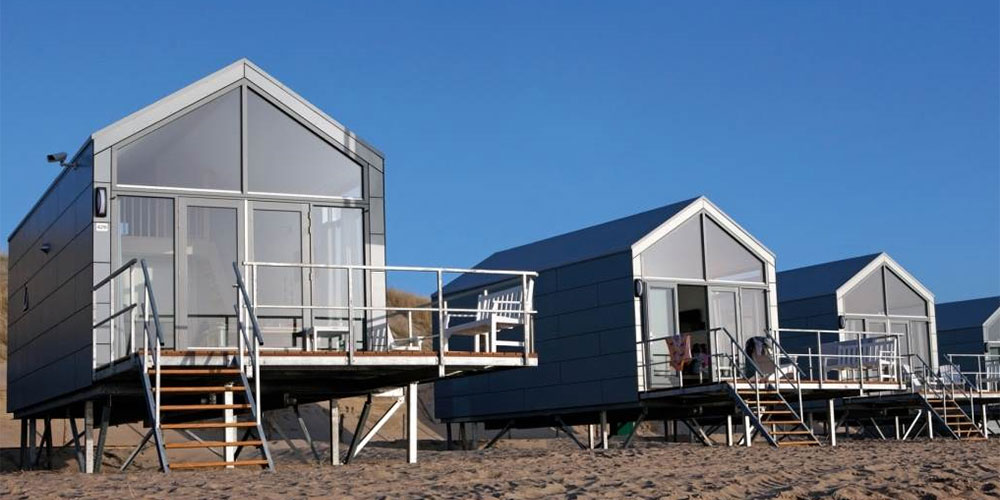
49	350
813	313
960	341
585	339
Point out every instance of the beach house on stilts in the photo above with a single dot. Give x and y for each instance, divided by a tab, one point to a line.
867	326
215	255
663	315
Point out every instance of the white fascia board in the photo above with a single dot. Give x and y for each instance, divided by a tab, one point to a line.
164	108
883	258
993	317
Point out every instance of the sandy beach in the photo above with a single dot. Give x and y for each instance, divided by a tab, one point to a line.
555	468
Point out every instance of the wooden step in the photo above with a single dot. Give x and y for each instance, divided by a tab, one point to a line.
780	422
208	425
211	444
238	406
198	465
788	433
203	389
777	412
196	371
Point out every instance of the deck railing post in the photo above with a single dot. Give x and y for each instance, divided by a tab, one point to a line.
131	314
524	316
441	326
350	319
111	324
819	358
861	365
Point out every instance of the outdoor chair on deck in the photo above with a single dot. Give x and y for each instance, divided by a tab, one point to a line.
496	312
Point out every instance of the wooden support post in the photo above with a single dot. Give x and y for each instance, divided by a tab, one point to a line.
334	432
590	436
930	425
24	444
831	422
32	442
47	437
729	430
899	433
411	423
463	441
604	430
88	437
105	418
747	431
447	437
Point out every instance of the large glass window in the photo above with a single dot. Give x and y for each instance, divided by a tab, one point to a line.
866	297
661	316
146	231
211	250
727	259
676	255
337	239
286	157
277	238
902	300
201	149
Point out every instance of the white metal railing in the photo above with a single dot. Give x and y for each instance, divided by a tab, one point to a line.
864	358
982	371
360	318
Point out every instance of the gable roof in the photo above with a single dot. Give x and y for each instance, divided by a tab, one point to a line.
239	70
961	314
820	279
178	101
576	246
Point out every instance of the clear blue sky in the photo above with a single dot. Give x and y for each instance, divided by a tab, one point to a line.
828	129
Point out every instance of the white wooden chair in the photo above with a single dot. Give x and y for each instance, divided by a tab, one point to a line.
877	353
496	311
381	338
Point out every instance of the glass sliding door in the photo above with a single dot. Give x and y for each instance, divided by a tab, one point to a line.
724	314
337	237
211	241
146	232
661	321
278	230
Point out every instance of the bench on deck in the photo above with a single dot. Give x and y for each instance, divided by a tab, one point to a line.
496	311
877	353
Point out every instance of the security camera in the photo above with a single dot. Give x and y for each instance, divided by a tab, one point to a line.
56	158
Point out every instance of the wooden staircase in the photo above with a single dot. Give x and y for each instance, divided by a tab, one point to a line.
198	399
772	416
950	414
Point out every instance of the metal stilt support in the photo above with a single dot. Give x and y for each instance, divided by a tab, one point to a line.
362	419
88	437
499	435
604	430
305	433
569	432
105	418
729	430
135	452
635	429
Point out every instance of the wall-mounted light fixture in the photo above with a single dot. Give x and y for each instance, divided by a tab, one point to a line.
46	247
101	202
639	287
